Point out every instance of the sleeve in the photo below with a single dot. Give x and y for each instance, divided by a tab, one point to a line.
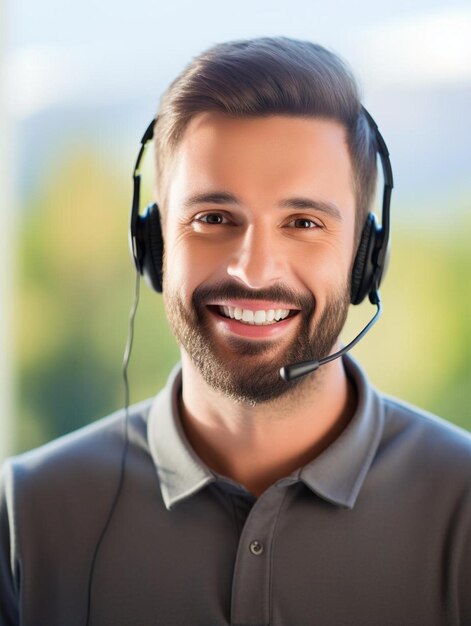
8	571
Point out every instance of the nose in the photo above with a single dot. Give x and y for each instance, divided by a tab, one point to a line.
257	260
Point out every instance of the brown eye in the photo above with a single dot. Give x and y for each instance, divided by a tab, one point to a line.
211	218
304	223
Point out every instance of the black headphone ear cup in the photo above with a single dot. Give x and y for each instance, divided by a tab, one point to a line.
363	271
152	261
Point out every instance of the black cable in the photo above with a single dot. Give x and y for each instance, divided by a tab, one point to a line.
126	357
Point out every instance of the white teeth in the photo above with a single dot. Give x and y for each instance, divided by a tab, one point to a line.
280	314
247	315
258	318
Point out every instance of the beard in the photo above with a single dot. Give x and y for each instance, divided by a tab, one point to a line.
247	370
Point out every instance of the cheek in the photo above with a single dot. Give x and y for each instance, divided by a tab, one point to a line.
189	263
325	267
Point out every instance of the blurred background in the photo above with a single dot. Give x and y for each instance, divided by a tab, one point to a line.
80	81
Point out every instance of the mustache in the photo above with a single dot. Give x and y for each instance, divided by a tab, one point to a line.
231	290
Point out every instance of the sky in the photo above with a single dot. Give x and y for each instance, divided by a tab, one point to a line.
117	49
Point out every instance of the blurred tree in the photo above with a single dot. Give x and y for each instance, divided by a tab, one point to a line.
75	292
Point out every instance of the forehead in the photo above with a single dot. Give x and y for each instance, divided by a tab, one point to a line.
262	155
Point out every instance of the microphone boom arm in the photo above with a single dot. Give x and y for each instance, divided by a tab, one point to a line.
295	370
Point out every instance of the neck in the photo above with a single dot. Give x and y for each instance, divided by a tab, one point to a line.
257	445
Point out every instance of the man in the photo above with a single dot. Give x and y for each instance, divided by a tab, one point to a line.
248	500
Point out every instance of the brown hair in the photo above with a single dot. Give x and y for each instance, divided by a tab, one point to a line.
269	76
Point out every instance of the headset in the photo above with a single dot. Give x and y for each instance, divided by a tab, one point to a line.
147	247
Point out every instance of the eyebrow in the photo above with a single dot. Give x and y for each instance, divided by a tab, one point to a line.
224	197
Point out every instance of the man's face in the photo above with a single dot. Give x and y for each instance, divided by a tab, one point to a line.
259	224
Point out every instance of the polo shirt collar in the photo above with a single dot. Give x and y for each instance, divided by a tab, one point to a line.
338	473
335	475
181	472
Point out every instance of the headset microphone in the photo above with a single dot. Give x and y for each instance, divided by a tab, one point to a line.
296	370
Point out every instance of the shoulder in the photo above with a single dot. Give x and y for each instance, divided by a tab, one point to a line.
54	499
427	439
84	457
65	487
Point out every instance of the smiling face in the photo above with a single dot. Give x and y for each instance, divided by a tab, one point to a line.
258	232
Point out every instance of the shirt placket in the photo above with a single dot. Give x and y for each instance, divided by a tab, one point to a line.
252	572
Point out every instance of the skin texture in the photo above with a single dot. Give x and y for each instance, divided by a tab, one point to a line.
240	417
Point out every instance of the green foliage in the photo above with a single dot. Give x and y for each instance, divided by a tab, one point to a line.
77	285
73	299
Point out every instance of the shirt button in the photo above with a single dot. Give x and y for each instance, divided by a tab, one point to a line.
256	547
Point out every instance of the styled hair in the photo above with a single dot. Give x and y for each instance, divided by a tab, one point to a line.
263	77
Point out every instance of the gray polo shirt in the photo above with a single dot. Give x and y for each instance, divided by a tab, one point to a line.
374	531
